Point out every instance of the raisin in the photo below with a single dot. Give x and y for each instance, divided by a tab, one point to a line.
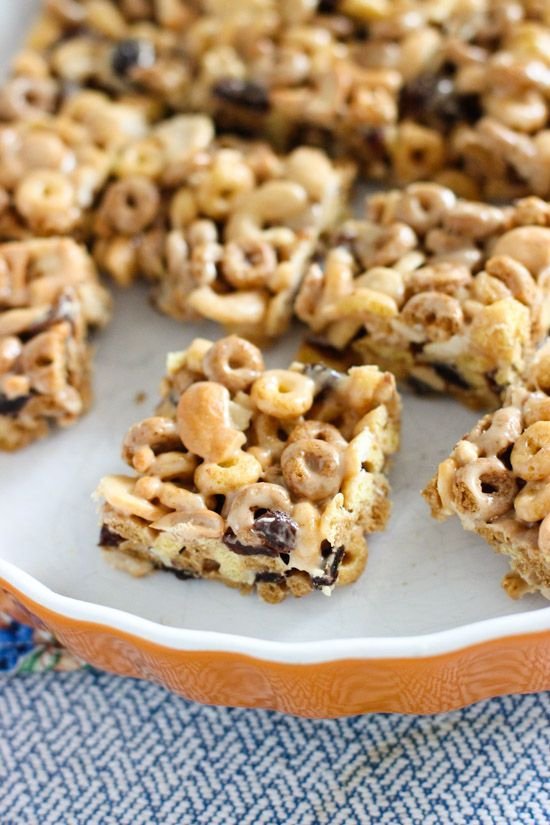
450	375
11	406
130	53
245	93
375	138
108	538
309	135
433	100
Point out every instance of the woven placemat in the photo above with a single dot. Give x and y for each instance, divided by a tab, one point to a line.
88	748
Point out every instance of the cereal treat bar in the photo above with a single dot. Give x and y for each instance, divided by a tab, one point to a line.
457	91
449	293
254	477
49	298
497	480
226	227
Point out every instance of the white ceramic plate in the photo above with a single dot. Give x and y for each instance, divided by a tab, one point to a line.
422	578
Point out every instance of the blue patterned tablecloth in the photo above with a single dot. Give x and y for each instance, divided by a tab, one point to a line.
87	748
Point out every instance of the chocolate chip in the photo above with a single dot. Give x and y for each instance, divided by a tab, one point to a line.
310	135
277	530
184	575
231	541
419	387
327	6
219	502
285	558
108	538
11	406
324	377
331	570
245	93
450	375
495	387
326	548
275	578
130	53
506	455
432	99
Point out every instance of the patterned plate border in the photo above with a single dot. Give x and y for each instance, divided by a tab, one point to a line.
339	687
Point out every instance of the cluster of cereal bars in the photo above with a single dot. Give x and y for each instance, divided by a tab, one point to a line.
132	141
454	91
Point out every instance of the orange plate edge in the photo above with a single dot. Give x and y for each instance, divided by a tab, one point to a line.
343	687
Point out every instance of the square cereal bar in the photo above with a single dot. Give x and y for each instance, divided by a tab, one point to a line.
254	477
225	227
448	91
49	298
497	481
449	293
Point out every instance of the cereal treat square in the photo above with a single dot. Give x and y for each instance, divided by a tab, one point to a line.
226	227
254	477
457	92
449	293
49	298
497	480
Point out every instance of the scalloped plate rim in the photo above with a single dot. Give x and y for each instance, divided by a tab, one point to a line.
288	652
